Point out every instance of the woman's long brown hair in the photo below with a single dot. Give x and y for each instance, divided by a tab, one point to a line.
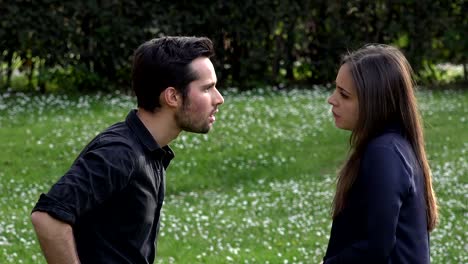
385	89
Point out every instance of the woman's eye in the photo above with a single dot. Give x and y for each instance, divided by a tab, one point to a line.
344	95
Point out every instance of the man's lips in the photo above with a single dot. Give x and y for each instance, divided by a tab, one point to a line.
212	115
212	118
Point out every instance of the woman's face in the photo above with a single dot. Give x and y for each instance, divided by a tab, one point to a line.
344	100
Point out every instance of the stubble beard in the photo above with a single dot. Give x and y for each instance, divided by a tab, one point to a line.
185	121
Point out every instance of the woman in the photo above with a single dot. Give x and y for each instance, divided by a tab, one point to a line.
384	205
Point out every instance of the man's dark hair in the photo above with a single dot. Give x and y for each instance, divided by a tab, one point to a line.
164	62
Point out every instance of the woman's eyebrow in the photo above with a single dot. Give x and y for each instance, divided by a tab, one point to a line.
342	89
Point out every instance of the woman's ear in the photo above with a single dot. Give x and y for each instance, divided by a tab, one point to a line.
171	97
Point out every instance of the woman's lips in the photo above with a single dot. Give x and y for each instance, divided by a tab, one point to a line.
335	115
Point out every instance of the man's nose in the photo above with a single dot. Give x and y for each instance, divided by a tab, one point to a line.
219	99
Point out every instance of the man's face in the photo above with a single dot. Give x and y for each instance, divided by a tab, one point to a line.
197	114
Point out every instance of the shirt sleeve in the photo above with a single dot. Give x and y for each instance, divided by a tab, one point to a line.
386	181
94	176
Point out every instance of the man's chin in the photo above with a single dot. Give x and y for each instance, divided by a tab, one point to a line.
203	130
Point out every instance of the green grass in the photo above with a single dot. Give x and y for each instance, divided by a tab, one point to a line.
257	189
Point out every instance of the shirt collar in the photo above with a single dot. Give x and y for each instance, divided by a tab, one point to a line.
145	136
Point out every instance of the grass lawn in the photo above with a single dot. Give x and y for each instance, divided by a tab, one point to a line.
257	189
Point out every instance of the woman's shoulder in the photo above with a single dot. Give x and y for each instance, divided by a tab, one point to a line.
387	139
390	143
390	146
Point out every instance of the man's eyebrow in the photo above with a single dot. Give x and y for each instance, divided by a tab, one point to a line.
211	84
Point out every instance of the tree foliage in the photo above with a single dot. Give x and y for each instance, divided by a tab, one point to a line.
87	45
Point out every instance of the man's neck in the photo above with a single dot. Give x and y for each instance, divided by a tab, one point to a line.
160	124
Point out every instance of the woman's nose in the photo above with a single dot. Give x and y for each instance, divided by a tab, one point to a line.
331	99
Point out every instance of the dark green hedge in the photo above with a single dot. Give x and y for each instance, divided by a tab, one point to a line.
87	45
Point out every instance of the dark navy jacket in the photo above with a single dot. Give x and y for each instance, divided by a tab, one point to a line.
385	217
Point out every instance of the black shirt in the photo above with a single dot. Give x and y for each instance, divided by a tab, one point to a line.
112	195
385	218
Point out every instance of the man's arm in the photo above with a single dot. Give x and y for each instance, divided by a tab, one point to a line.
56	239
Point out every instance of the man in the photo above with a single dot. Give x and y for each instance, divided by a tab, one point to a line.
106	208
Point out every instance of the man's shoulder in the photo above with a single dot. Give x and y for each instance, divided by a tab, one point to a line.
118	132
115	139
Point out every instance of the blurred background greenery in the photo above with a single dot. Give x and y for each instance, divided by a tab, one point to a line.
78	46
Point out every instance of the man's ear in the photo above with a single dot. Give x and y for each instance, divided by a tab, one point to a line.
171	97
